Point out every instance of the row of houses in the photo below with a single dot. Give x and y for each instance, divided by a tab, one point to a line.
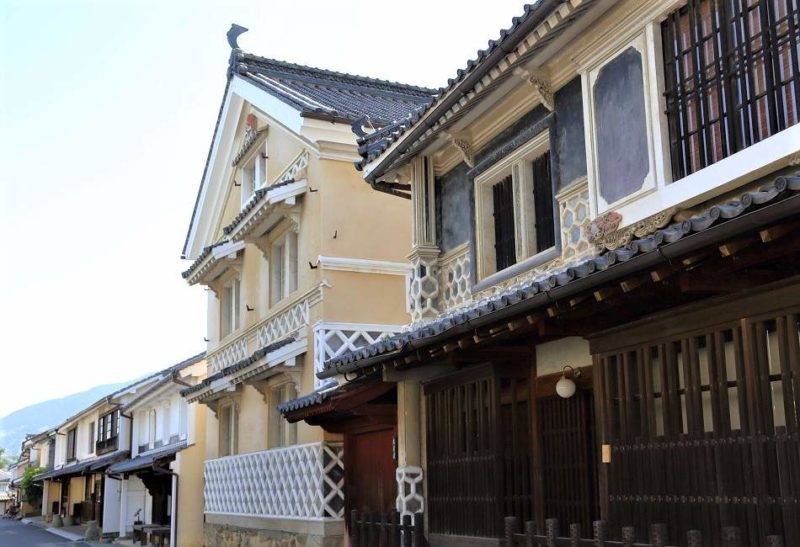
564	285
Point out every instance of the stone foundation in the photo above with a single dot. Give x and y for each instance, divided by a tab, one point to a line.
225	535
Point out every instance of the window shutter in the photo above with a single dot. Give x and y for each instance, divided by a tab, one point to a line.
543	203
505	242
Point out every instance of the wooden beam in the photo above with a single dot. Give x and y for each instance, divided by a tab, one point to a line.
732	247
633	283
605	293
778	231
662	273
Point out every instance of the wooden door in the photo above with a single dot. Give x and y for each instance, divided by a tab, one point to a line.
370	483
569	472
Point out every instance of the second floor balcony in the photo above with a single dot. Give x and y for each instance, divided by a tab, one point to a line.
107	445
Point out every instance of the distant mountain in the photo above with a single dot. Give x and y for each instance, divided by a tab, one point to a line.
42	416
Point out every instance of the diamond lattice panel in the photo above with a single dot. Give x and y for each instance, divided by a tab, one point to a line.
305	481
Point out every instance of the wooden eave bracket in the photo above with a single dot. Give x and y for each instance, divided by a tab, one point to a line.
540	82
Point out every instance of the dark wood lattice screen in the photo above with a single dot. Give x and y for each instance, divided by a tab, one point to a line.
505	248
704	429
732	76
478	452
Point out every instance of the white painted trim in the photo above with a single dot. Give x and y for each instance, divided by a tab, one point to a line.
718	178
284	114
363	265
370	327
227	249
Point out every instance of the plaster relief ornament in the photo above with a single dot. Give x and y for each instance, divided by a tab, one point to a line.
464	147
540	83
602	226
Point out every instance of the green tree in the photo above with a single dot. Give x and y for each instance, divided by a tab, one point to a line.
31	491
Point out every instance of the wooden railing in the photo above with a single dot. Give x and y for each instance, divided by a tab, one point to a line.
106	445
731	536
386	530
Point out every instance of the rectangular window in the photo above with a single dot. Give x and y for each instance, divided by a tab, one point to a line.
228	425
515	209
91	438
282	433
71	434
152	424
504	241
731	76
230	302
283	267
544	220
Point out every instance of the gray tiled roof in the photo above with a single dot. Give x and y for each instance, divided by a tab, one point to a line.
329	94
781	187
201	257
145	461
247	361
373	145
310	399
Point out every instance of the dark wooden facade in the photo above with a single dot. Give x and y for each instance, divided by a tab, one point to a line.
694	390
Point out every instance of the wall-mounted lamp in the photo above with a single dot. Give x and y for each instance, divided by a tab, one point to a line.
565	387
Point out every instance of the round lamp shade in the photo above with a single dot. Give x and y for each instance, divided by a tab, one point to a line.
565	387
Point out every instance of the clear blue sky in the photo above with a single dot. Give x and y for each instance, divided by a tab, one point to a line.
106	114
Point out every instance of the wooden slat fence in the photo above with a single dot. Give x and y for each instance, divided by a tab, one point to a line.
730	536
386	530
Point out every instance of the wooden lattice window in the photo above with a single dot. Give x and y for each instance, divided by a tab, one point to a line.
478	451
505	248
705	429
732	77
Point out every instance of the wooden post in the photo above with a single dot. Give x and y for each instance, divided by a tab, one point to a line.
406	530
658	534
574	534
394	530
599	529
694	538
354	536
510	527
419	529
731	536
550	532
628	536
530	531
773	541
382	538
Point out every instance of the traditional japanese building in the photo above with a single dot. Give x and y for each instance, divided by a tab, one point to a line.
161	483
605	289
279	235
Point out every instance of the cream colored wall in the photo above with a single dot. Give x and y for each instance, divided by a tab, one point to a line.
189	466
552	357
368	224
76	491
365	298
252	421
212	434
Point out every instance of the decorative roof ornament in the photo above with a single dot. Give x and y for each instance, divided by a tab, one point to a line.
233	35
541	83
463	144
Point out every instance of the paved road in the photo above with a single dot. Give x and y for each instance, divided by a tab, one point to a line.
16	534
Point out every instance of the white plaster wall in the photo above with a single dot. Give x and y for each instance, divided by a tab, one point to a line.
137	498
552	357
111	505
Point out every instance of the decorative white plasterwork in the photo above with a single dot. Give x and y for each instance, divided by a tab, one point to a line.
423	287
363	265
296	170
541	83
333	339
455	278
463	144
297	482
410	498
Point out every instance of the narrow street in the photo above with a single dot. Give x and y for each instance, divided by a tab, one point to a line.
16	534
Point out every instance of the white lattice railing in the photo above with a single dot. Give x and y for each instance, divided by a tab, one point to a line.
228	355
334	339
303	482
290	318
283	324
455	278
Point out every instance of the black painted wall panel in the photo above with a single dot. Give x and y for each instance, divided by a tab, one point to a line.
570	138
622	160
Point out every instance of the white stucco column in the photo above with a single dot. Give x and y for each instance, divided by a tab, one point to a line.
409	473
123	508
